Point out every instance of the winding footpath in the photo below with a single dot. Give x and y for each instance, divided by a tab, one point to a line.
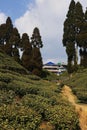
81	109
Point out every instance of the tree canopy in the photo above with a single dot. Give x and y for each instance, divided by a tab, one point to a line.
75	35
11	42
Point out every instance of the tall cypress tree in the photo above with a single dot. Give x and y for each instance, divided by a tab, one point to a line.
36	61
70	50
9	29
84	37
79	21
74	27
36	38
14	40
79	18
69	35
36	54
82	41
2	34
27	52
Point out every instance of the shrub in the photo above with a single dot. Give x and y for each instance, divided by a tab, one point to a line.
18	117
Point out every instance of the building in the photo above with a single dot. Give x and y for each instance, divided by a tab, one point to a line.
54	68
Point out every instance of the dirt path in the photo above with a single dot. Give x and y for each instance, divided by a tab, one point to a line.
80	108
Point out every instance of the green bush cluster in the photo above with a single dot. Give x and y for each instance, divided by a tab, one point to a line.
55	110
26	101
63	117
6	97
8	63
78	83
18	117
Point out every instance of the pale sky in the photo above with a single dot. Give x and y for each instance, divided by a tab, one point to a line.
47	15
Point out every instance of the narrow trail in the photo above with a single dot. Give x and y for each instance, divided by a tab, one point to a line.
80	108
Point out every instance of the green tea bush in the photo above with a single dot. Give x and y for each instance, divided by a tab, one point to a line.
78	83
18	117
6	97
27	100
63	118
57	110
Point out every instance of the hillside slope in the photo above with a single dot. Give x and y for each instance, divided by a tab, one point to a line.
8	63
80	108
27	101
78	83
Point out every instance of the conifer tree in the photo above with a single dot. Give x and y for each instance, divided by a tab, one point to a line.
36	54
15	38
9	29
36	38
70	50
79	19
84	38
36	61
27	52
2	34
14	41
15	54
82	41
69	35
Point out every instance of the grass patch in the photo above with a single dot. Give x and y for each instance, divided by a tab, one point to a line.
78	83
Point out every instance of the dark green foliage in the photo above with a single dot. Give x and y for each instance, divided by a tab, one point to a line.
27	54
25	42
2	34
79	18
10	38
9	29
31	58
36	39
82	42
36	54
15	54
36	61
69	31
69	36
14	40
8	49
11	44
70	50
75	33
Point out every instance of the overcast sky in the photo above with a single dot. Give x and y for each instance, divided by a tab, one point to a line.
47	15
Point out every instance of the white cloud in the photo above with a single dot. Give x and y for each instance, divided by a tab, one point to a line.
48	16
2	17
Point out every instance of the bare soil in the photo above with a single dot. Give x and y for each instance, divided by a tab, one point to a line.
46	126
81	109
